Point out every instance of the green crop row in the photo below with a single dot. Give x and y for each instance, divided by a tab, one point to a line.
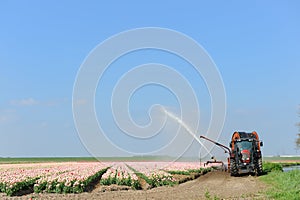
51	187
155	179
121	180
190	171
17	187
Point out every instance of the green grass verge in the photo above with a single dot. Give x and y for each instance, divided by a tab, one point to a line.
124	159
285	185
14	160
68	159
268	167
281	159
290	164
45	159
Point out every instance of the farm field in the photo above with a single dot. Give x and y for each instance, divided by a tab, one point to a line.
214	185
9	160
77	177
87	179
282	159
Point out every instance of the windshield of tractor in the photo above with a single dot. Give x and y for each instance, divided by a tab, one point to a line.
244	145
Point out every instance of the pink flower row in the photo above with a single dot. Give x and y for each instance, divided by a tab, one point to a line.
77	172
48	171
120	171
183	166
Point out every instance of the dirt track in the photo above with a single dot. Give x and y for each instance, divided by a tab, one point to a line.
219	184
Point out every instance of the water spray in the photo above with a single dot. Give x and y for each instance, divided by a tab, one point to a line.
185	126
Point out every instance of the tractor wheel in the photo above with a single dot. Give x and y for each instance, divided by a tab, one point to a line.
233	168
259	167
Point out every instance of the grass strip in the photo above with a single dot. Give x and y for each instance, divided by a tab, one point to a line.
285	185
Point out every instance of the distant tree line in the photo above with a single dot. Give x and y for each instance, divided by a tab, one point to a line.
298	139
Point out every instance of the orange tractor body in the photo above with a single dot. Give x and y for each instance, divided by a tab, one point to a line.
244	153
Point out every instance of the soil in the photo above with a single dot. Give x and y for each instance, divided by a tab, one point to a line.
214	184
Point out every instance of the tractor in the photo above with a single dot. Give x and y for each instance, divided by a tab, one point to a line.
244	153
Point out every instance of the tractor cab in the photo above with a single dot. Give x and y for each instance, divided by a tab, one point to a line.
245	148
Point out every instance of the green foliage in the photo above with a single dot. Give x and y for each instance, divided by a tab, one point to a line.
136	185
200	170
208	196
45	159
190	171
290	164
195	170
128	181
206	170
161	180
285	184
155	180
143	176
269	167
40	187
62	187
281	159
179	172
13	189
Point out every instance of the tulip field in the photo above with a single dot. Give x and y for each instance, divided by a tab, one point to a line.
77	177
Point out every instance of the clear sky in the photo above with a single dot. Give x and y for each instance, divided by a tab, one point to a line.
255	45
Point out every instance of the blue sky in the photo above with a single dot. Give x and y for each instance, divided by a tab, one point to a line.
256	47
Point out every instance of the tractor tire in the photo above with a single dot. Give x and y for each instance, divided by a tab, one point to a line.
233	168
259	167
